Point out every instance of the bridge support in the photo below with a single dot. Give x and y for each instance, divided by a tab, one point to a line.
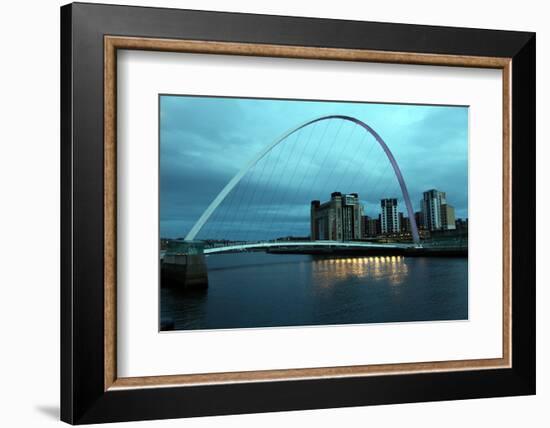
184	266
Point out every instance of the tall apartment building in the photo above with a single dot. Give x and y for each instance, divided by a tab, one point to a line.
389	220
436	213
338	219
448	217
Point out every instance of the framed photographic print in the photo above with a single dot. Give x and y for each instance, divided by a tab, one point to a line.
265	213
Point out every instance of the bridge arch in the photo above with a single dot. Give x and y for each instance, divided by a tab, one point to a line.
237	178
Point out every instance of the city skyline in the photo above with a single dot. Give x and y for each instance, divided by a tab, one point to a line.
351	223
209	139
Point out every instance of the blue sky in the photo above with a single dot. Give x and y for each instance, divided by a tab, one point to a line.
205	141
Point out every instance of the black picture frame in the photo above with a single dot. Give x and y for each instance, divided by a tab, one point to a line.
83	396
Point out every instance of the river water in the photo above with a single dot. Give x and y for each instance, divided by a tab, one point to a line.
272	290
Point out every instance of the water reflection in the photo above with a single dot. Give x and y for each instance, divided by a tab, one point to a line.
394	269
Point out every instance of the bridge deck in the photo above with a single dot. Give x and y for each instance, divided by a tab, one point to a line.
308	244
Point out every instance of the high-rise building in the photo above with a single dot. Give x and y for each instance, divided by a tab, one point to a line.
436	213
389	220
352	211
448	217
338	219
431	208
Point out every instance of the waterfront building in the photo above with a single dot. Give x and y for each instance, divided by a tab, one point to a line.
364	226
437	214
389	220
371	226
461	224
448	217
419	220
431	208
338	219
405	223
376	224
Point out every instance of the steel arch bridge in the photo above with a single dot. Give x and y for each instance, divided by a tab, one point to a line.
237	178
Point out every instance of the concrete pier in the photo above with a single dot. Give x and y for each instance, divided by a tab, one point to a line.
184	266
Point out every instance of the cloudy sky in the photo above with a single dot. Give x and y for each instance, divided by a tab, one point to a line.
205	141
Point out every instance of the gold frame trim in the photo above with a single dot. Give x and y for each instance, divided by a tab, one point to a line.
113	43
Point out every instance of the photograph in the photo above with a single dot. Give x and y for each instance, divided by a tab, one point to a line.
292	212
